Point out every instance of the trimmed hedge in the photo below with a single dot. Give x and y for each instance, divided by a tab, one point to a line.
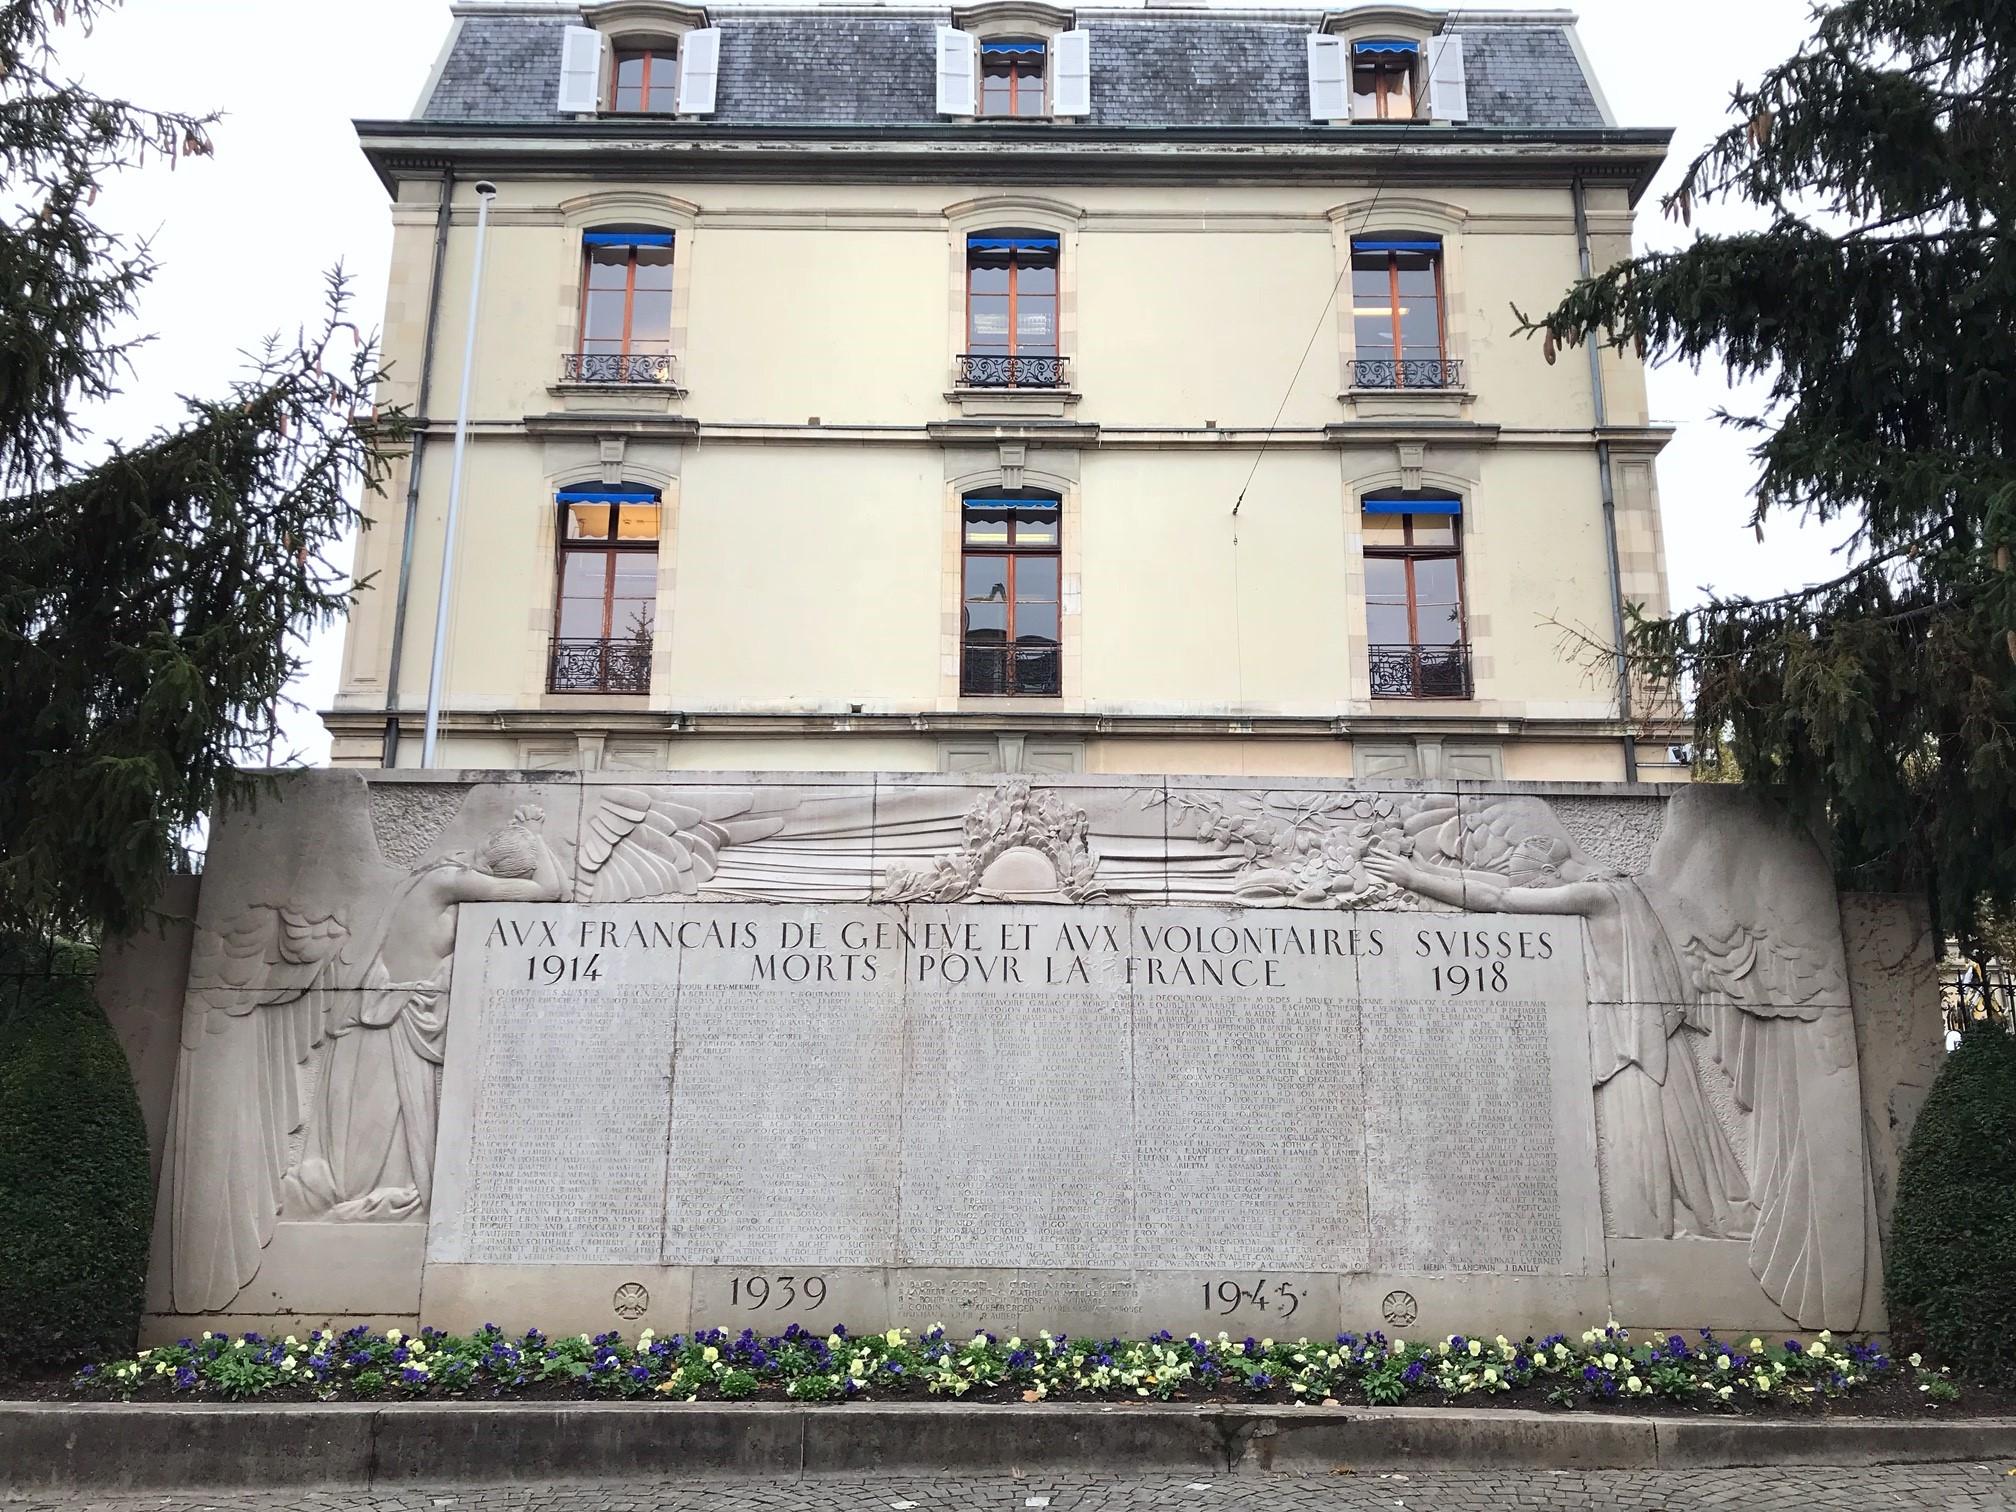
75	1187
1951	1278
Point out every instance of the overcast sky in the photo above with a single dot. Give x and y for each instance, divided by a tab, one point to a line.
244	238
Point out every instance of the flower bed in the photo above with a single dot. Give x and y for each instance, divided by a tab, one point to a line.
1603	1366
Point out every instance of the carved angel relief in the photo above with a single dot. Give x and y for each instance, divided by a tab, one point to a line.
1018	844
307	1087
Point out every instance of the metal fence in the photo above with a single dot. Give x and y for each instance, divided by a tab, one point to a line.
1974	996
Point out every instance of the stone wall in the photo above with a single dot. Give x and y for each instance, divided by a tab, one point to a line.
567	1051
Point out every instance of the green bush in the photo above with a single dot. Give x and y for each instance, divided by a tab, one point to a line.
1951	1279
75	1189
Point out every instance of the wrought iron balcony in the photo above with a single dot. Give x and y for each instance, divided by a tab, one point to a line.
617	368
1421	671
1406	373
1000	370
600	666
1033	669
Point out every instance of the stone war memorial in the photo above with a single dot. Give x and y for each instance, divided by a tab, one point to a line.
617	1050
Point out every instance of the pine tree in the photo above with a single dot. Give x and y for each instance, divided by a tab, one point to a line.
1879	308
152	601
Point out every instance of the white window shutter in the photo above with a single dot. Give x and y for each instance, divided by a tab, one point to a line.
699	70
581	71
958	62
1329	78
1071	90
1448	84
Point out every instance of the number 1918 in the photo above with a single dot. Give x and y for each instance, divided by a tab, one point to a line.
1456	980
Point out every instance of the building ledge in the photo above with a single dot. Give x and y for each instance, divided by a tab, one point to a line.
1029	403
617	398
606	422
1408	404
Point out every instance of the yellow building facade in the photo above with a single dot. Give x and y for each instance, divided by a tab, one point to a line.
1008	388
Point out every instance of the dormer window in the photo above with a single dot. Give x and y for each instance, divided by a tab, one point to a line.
646	80
1383	75
1011	76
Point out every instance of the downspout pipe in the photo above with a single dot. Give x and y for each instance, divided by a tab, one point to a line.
1606	478
420	423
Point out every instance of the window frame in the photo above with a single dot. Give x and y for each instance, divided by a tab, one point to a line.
1438	261
1014	552
1362	54
1409	552
652	51
627	346
613	548
1016	83
1012	347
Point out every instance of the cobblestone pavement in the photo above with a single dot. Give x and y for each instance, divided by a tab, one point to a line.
1926	1487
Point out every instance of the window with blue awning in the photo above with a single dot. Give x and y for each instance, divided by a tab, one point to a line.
1388	45
1011	244
626	238
1377	244
1422	504
1014	49
608	496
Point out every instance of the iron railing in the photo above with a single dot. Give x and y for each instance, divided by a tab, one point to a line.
1000	370
616	368
1034	669
1421	671
599	666
1406	373
1973	997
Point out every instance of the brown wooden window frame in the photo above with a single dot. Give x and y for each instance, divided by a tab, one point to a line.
658	55
629	344
612	548
1410	552
1014	553
1398	351
1383	67
1021	81
1053	261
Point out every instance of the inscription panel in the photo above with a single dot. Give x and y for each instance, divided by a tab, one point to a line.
962	1093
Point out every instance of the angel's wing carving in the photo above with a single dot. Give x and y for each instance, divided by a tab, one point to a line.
1751	906
644	844
253	1016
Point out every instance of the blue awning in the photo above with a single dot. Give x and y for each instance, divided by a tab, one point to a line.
1372	244
606	496
1386	47
627	239
1014	503
1011	244
1414	506
1023	48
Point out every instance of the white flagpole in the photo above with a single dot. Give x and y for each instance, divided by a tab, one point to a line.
485	193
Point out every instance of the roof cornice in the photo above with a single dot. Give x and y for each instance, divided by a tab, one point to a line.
1007	155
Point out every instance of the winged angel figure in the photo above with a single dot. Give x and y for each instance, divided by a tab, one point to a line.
312	1041
1728	1101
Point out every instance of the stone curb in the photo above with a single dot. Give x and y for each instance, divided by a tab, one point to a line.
117	1447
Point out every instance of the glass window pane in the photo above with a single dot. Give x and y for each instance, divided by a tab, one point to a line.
1029	99
581	619
1033	529
637	574
1035	279
987	322
632	619
1036	580
1385	530
630	70
602	321
1036	622
988	278
584	574
987	621
1036	325
1386	580
987	528
1435	580
1434	530
654	268
608	267
1386	624
1438	624
986	579
1364	91
586	522
994	93
638	522
651	320
629	99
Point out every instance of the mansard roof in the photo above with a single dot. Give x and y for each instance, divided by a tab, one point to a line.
873	66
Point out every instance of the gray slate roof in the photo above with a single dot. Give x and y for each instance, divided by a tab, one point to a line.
1149	69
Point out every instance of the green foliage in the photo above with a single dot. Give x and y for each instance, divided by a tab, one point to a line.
75	1199
1879	305
1951	1280
153	602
